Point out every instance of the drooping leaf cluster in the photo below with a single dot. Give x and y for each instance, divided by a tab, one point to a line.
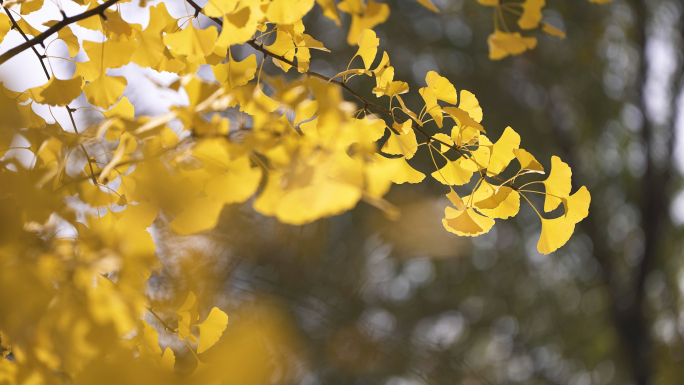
69	305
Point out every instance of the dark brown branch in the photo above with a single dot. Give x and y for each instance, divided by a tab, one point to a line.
99	10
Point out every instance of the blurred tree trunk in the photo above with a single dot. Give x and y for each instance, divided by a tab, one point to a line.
628	304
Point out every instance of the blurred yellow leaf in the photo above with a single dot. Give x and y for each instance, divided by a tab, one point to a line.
211	329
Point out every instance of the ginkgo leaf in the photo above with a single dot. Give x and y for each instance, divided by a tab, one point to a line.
239	182
211	329
219	8
168	360
404	144
5	26
455	200
453	173
374	14
466	223
558	184
528	161
502	151
441	87
577	205
463	118
502	44
288	11
531	15
443	138
148	341
241	24
554	234
468	103
431	105
105	91
330	10
236	73
504	203
191	42
305	111
553	31
57	92
201	214
489	3
283	46
368	47
397	170
110	54
187	316
30	6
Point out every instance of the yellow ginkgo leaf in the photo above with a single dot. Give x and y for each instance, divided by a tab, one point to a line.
241	24
453	173
577	205
553	31
191	42
187	316
468	103
148	341
466	222
463	118
455	200
368	47
431	105
528	161
554	234
5	26
167	361
502	151
57	92
211	329
558	184
30	6
532	14
445	139
489	3
236	73
330	10
288	11
502	44
374	14
397	170
404	144
503	204
116	54
239	182
283	46
305	111
105	91
441	87
200	214
219	8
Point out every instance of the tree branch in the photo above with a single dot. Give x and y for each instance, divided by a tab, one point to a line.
99	10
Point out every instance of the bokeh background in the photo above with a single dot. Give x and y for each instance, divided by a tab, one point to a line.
360	299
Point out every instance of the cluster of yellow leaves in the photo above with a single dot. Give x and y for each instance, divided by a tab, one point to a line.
529	14
296	148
